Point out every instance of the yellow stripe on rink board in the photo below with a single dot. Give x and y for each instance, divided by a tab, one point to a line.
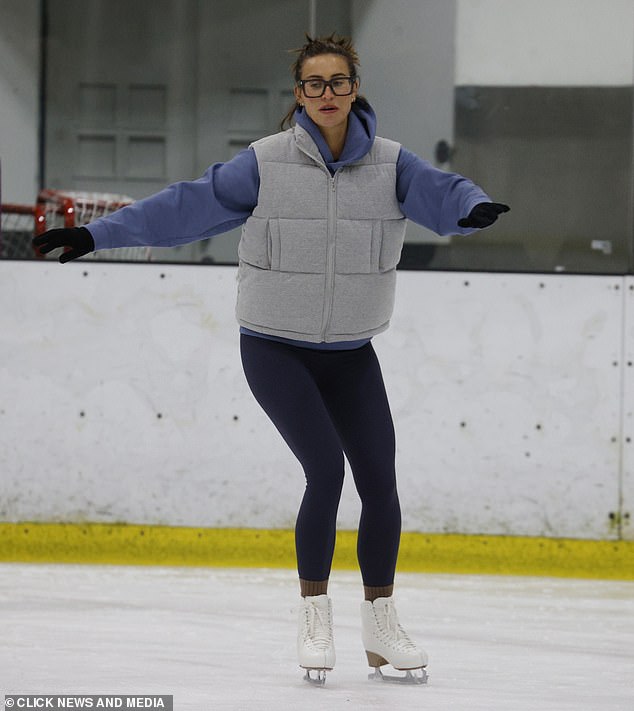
127	544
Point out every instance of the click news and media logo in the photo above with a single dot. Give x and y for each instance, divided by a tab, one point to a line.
17	702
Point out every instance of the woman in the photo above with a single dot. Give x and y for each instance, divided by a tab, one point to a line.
323	207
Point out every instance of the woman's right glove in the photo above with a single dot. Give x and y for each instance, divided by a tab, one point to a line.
77	240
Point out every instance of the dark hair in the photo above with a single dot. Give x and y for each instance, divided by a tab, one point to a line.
313	48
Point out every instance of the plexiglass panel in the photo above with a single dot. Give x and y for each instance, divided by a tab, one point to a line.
549	136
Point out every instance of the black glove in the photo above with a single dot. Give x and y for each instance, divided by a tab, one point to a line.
483	214
78	240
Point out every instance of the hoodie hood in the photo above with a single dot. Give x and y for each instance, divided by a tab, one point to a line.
359	138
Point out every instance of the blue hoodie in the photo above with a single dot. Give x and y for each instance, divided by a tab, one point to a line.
227	193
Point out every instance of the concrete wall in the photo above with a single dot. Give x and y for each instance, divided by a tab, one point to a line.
545	43
543	120
407	70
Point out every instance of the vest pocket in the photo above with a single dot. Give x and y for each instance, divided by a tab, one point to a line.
255	243
276	302
362	304
391	243
358	246
298	246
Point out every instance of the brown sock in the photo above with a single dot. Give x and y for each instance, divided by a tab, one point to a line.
313	587
372	592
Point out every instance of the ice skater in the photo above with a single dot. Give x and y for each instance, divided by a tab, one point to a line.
323	207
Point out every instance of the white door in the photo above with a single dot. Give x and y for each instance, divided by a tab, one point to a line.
120	94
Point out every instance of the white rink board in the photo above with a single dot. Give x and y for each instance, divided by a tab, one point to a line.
505	389
627	437
122	400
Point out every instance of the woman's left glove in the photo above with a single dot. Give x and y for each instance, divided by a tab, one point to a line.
483	214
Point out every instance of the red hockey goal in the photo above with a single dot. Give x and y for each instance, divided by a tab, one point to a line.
60	208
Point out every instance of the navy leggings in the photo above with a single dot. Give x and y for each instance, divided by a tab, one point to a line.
326	404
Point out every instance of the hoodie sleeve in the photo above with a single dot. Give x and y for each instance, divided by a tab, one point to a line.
223	198
435	198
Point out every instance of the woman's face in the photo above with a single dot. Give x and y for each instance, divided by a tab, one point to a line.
329	110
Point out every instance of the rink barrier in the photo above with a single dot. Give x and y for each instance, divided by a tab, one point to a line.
127	544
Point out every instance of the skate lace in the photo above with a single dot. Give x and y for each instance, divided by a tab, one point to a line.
317	627
397	636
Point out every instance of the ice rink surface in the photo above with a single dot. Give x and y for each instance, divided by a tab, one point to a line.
225	639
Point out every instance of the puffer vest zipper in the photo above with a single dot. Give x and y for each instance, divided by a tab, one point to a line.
318	255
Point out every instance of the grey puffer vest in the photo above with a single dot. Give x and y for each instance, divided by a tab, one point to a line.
318	255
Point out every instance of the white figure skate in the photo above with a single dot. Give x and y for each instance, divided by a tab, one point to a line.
386	642
315	643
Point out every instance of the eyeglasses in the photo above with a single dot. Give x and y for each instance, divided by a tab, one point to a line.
314	88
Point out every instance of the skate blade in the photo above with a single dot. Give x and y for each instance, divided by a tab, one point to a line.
318	680
412	676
